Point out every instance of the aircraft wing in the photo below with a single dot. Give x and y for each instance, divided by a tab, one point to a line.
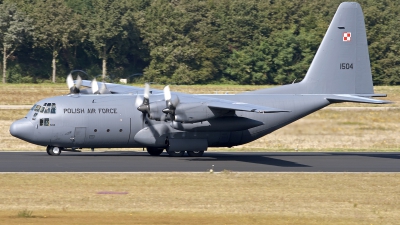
212	103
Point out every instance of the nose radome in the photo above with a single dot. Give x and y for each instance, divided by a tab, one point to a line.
22	129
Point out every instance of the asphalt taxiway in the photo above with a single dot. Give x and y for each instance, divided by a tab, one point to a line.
233	161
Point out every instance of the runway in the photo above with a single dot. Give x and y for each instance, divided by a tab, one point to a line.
232	161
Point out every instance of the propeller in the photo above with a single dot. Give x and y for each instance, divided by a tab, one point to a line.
74	87
144	102
102	90
170	103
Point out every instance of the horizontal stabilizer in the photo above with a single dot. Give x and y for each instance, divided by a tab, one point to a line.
354	98
241	106
372	95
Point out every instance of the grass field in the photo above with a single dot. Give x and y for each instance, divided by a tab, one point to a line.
215	198
202	198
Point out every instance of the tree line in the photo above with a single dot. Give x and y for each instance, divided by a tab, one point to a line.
183	41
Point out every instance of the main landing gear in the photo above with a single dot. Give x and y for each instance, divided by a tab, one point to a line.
53	150
158	151
195	153
155	151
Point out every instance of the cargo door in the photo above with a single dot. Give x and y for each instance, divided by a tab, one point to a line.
79	136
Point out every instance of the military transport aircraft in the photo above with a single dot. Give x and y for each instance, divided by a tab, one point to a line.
118	116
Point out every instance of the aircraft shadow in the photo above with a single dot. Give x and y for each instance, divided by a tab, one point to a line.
384	155
262	159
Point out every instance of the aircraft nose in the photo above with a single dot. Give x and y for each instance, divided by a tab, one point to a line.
22	129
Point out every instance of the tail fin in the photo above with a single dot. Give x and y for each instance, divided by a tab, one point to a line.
341	64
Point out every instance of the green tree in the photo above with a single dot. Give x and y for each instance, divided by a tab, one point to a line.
54	27
252	65
110	28
15	27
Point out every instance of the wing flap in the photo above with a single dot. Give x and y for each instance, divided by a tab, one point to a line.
241	106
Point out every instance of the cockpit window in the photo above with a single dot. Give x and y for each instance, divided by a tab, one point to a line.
53	108
47	109
33	107
37	108
34	116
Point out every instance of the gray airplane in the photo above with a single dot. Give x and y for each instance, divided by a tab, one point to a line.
118	116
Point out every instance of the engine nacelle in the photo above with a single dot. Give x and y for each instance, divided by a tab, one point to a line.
193	112
154	136
220	124
156	110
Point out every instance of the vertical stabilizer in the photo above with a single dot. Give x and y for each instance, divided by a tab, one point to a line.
341	65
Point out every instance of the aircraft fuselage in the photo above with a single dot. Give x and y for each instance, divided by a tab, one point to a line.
113	121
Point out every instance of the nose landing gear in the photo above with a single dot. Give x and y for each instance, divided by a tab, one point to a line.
53	150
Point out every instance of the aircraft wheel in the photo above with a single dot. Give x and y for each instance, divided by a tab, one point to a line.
176	154
48	150
155	151
52	150
195	153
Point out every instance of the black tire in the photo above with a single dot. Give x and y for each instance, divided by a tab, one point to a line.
176	154
54	150
195	153
155	151
48	150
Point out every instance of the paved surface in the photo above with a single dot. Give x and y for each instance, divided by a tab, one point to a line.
234	161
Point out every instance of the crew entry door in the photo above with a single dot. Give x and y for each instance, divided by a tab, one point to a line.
79	136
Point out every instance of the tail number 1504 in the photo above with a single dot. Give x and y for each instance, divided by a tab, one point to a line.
346	66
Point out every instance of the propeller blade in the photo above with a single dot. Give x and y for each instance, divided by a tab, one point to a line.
70	81
78	82
139	100
167	93
175	102
95	86
144	107
103	88
163	117
146	91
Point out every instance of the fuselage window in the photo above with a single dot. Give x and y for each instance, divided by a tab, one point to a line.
45	122
53	108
